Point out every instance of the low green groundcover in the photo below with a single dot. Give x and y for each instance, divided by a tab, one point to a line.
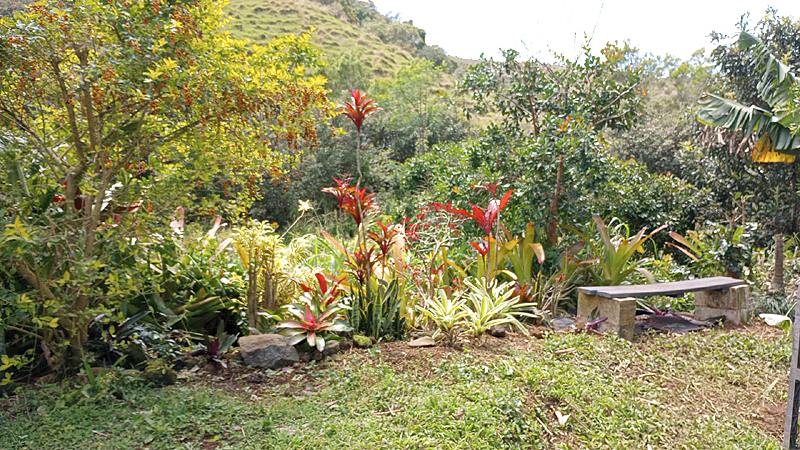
719	389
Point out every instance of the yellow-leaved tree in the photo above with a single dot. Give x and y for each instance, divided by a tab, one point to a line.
109	106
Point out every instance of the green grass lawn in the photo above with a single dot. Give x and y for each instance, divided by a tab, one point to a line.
720	390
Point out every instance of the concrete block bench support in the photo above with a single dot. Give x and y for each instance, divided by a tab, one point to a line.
714	296
733	303
621	313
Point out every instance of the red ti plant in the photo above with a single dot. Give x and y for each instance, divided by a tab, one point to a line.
361	265
385	238
317	313
488	220
357	110
485	217
352	200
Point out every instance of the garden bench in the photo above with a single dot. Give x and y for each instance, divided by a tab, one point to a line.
714	297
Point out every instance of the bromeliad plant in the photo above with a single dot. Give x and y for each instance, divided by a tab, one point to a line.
447	312
613	256
319	313
492	303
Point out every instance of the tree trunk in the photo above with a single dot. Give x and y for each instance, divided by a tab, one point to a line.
552	222
270	303
777	275
252	296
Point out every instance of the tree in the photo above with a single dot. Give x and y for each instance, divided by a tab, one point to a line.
768	124
419	114
564	106
106	104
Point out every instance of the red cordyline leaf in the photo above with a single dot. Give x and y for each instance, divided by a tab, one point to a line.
323	283
482	247
485	218
361	107
385	240
353	201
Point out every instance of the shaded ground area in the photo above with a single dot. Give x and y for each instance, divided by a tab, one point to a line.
714	389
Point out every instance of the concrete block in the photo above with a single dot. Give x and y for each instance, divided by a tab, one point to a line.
734	304
621	313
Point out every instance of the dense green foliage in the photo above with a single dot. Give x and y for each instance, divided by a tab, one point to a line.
100	147
600	183
130	133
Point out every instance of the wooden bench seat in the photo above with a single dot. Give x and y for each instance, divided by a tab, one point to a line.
714	297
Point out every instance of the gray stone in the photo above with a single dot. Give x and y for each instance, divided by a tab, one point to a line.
331	348
621	313
425	341
499	331
191	361
563	322
136	355
735	304
269	351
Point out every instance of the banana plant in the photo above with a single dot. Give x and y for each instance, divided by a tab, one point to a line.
774	130
615	255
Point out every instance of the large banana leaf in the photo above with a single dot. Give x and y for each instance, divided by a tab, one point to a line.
722	112
775	88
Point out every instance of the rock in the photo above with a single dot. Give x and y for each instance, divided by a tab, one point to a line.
424	341
499	331
269	351
331	348
305	357
136	355
563	322
191	361
317	355
337	357
345	346
160	373
362	341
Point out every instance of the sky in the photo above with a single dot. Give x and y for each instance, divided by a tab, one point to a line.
536	28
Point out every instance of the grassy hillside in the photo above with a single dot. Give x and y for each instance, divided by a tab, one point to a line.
261	20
